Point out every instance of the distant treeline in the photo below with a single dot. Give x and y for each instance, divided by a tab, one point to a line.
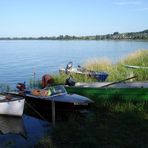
114	36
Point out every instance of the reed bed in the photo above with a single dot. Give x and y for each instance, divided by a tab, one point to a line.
4	88
116	71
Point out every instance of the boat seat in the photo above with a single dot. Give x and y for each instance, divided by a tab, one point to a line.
8	97
5	97
41	92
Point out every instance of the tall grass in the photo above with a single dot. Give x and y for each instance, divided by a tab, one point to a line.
116	71
138	58
4	88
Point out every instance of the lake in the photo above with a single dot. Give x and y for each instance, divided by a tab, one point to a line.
25	131
20	59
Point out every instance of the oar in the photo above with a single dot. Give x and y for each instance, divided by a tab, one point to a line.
119	81
135	67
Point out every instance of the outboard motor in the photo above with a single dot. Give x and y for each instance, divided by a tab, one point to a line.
47	80
21	86
70	81
68	67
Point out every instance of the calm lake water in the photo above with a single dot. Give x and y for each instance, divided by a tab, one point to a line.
22	132
20	59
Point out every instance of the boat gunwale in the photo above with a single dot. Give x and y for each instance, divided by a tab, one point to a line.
13	98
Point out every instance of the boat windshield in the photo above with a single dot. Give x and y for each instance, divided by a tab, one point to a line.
58	89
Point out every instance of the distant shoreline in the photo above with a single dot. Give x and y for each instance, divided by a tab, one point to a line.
142	35
73	40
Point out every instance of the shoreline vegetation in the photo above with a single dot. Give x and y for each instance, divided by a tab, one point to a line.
116	71
141	35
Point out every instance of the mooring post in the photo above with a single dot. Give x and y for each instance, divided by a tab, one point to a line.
53	111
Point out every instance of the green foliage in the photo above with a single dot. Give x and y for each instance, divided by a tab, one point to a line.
116	71
35	84
4	88
142	35
138	58
61	78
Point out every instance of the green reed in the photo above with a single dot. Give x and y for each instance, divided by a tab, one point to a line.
116	71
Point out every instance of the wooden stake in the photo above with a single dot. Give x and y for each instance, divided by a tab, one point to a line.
53	112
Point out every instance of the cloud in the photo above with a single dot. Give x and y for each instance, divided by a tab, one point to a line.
125	2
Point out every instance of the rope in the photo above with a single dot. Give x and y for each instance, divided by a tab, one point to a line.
36	111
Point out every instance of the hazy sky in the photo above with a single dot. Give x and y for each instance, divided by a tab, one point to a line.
71	17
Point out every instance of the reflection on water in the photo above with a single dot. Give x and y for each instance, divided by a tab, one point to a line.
25	131
10	124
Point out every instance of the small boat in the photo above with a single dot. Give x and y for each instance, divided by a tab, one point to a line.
113	85
11	105
127	90
133	94
100	76
41	99
63	101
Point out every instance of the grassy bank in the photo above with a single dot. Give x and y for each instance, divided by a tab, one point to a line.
116	71
111	124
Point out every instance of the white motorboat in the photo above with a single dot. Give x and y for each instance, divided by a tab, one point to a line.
11	105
